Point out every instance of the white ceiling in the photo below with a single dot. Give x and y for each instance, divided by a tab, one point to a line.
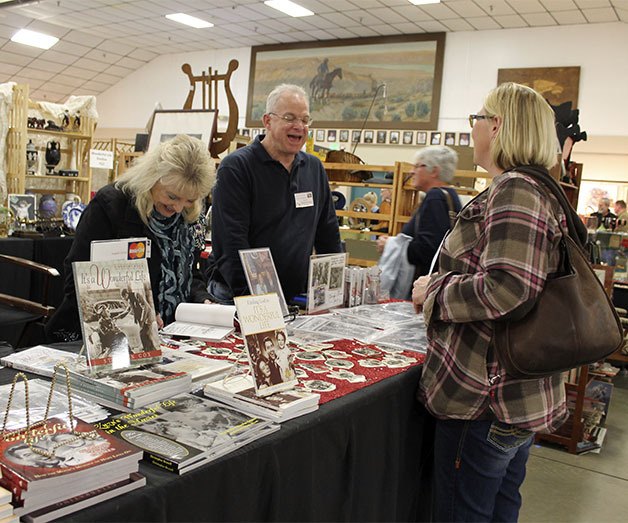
102	41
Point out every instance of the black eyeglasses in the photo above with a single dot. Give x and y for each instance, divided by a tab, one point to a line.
291	119
474	117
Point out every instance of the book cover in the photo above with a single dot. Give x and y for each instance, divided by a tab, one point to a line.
326	281
39	360
177	433
261	274
207	321
29	474
264	331
117	313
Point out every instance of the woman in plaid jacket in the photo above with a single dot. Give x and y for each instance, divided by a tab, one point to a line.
496	258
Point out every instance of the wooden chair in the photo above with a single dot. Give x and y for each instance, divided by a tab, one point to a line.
20	316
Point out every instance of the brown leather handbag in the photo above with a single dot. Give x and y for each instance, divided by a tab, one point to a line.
572	322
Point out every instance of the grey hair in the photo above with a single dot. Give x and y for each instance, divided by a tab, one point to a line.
439	156
279	91
182	164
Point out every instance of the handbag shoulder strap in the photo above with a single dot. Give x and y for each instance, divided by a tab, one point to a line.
450	206
577	230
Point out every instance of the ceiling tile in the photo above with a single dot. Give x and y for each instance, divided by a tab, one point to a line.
623	14
113	46
91	64
78	72
559	5
71	48
602	14
9	69
131	63
538	19
21	49
385	29
432	26
466	8
569	17
83	38
142	54
40	75
13	58
6	31
70	81
457	24
362	31
55	56
484	23
510	21
23	78
413	13
103	56
389	16
588	4
41	63
495	7
528	6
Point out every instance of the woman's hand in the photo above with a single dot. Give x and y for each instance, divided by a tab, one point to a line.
419	288
160	322
381	243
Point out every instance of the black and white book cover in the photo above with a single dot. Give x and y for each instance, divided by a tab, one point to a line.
261	274
326	281
117	313
264	332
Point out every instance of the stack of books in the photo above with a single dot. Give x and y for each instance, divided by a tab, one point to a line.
61	466
239	392
6	509
187	431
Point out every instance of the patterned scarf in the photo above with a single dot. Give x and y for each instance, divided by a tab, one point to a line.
175	241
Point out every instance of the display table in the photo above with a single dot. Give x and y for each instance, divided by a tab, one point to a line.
361	457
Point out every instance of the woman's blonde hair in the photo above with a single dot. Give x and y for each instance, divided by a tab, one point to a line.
182	164
527	135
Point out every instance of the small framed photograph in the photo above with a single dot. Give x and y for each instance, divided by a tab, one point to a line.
23	207
435	138
394	137
331	135
450	138
343	136
408	137
246	132
320	135
254	133
421	138
261	275
355	136
381	136
368	136
464	139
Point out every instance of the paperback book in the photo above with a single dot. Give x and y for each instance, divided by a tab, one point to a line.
117	313
206	321
186	431
239	392
58	459
326	281
264	332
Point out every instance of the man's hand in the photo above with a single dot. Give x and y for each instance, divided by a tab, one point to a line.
381	242
419	288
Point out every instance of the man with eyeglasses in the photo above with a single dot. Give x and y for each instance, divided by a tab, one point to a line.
272	194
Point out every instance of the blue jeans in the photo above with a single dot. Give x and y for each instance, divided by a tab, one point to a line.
478	468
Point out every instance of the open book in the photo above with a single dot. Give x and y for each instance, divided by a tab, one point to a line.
207	321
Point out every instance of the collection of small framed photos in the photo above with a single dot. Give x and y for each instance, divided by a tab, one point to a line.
382	137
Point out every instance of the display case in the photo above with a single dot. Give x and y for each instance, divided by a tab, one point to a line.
70	175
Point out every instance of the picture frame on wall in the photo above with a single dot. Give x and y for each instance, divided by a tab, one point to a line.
343	135
368	136
355	136
320	135
421	138
331	135
246	132
397	61
393	138
408	137
435	138
166	124
450	139
381	136
464	139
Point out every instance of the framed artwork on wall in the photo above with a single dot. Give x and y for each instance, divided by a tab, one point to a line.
343	136
435	138
464	139
394	137
421	138
408	137
355	136
331	135
320	135
556	84
368	136
344	77
166	124
381	136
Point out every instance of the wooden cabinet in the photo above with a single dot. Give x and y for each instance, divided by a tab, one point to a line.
74	147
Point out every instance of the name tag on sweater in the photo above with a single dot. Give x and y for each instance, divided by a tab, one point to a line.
304	199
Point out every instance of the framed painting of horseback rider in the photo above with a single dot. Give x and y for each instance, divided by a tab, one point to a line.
390	82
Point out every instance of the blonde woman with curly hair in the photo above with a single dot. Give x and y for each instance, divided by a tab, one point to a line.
492	266
160	197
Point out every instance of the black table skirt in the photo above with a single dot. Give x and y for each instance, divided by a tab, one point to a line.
363	457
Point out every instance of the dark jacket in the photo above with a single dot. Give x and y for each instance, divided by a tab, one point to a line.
110	215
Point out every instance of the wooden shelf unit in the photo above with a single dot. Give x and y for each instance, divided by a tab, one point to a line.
74	147
123	154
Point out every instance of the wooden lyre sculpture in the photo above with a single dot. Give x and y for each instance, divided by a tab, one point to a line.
209	89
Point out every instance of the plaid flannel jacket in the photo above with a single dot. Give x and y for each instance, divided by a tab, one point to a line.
496	258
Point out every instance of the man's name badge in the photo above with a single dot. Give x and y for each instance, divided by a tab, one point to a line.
304	199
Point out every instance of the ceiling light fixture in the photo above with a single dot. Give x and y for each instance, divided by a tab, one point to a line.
288	7
192	21
34	39
424	2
